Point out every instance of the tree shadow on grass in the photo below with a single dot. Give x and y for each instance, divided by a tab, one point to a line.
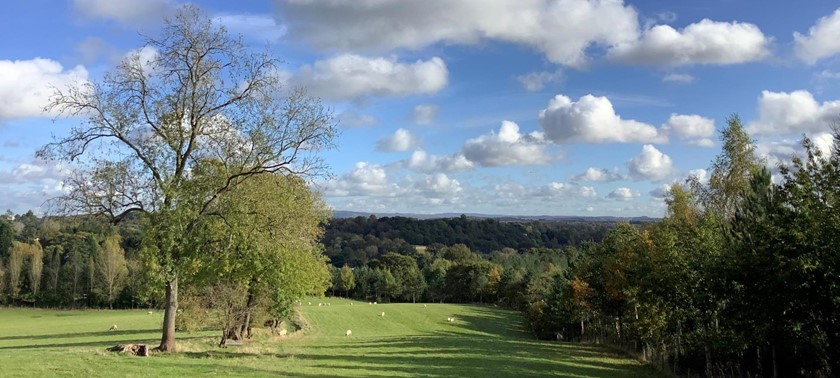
78	334
451	355
114	338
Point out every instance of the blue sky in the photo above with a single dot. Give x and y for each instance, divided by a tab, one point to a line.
532	107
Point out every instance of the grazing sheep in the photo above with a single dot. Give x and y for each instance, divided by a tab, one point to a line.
320	304
113	328
370	302
310	303
348	333
150	312
424	305
450	319
374	302
382	314
351	303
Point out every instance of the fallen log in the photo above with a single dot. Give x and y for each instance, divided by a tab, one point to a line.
132	349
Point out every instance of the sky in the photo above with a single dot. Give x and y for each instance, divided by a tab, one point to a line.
515	107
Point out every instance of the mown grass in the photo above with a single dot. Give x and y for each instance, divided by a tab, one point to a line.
410	340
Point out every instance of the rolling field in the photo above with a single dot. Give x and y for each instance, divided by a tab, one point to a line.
410	340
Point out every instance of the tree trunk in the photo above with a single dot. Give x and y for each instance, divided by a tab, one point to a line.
245	329
167	341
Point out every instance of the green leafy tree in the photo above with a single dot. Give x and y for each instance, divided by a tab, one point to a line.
204	95
112	269
347	279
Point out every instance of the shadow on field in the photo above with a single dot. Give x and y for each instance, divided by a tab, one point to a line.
78	334
104	338
484	343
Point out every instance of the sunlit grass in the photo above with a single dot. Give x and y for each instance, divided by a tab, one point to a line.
410	340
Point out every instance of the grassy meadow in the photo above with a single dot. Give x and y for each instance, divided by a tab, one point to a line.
410	340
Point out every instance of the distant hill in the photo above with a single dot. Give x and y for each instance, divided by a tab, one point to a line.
340	214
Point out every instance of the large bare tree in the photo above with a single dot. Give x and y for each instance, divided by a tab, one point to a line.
191	94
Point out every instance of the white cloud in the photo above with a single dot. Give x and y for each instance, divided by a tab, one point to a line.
507	147
797	112
256	26
704	42
650	164
598	175
553	190
692	128
421	161
353	120
700	174
661	191
623	194
562	189
349	77
562	30
536	81
593	120
364	180
424	114
26	85
780	151
130	12
401	141
678	78
437	185
821	41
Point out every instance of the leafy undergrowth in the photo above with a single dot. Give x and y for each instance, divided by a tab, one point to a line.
410	340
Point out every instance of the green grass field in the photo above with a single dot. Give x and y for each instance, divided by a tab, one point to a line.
410	340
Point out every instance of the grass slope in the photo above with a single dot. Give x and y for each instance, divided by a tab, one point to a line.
410	340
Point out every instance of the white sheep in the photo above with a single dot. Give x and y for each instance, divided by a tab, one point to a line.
310	303
450	319
351	303
374	302
424	305
370	302
382	314
320	304
113	328
150	312
348	333
328	303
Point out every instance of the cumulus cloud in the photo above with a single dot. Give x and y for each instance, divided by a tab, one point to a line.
421	161
780	151
507	147
438	185
704	42
424	114
562	30
351	77
678	78
26	85
797	112
821	41
401	141
552	190
536	81
661	191
650	164
593	119
598	175
623	194
130	12
692	128
364	180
